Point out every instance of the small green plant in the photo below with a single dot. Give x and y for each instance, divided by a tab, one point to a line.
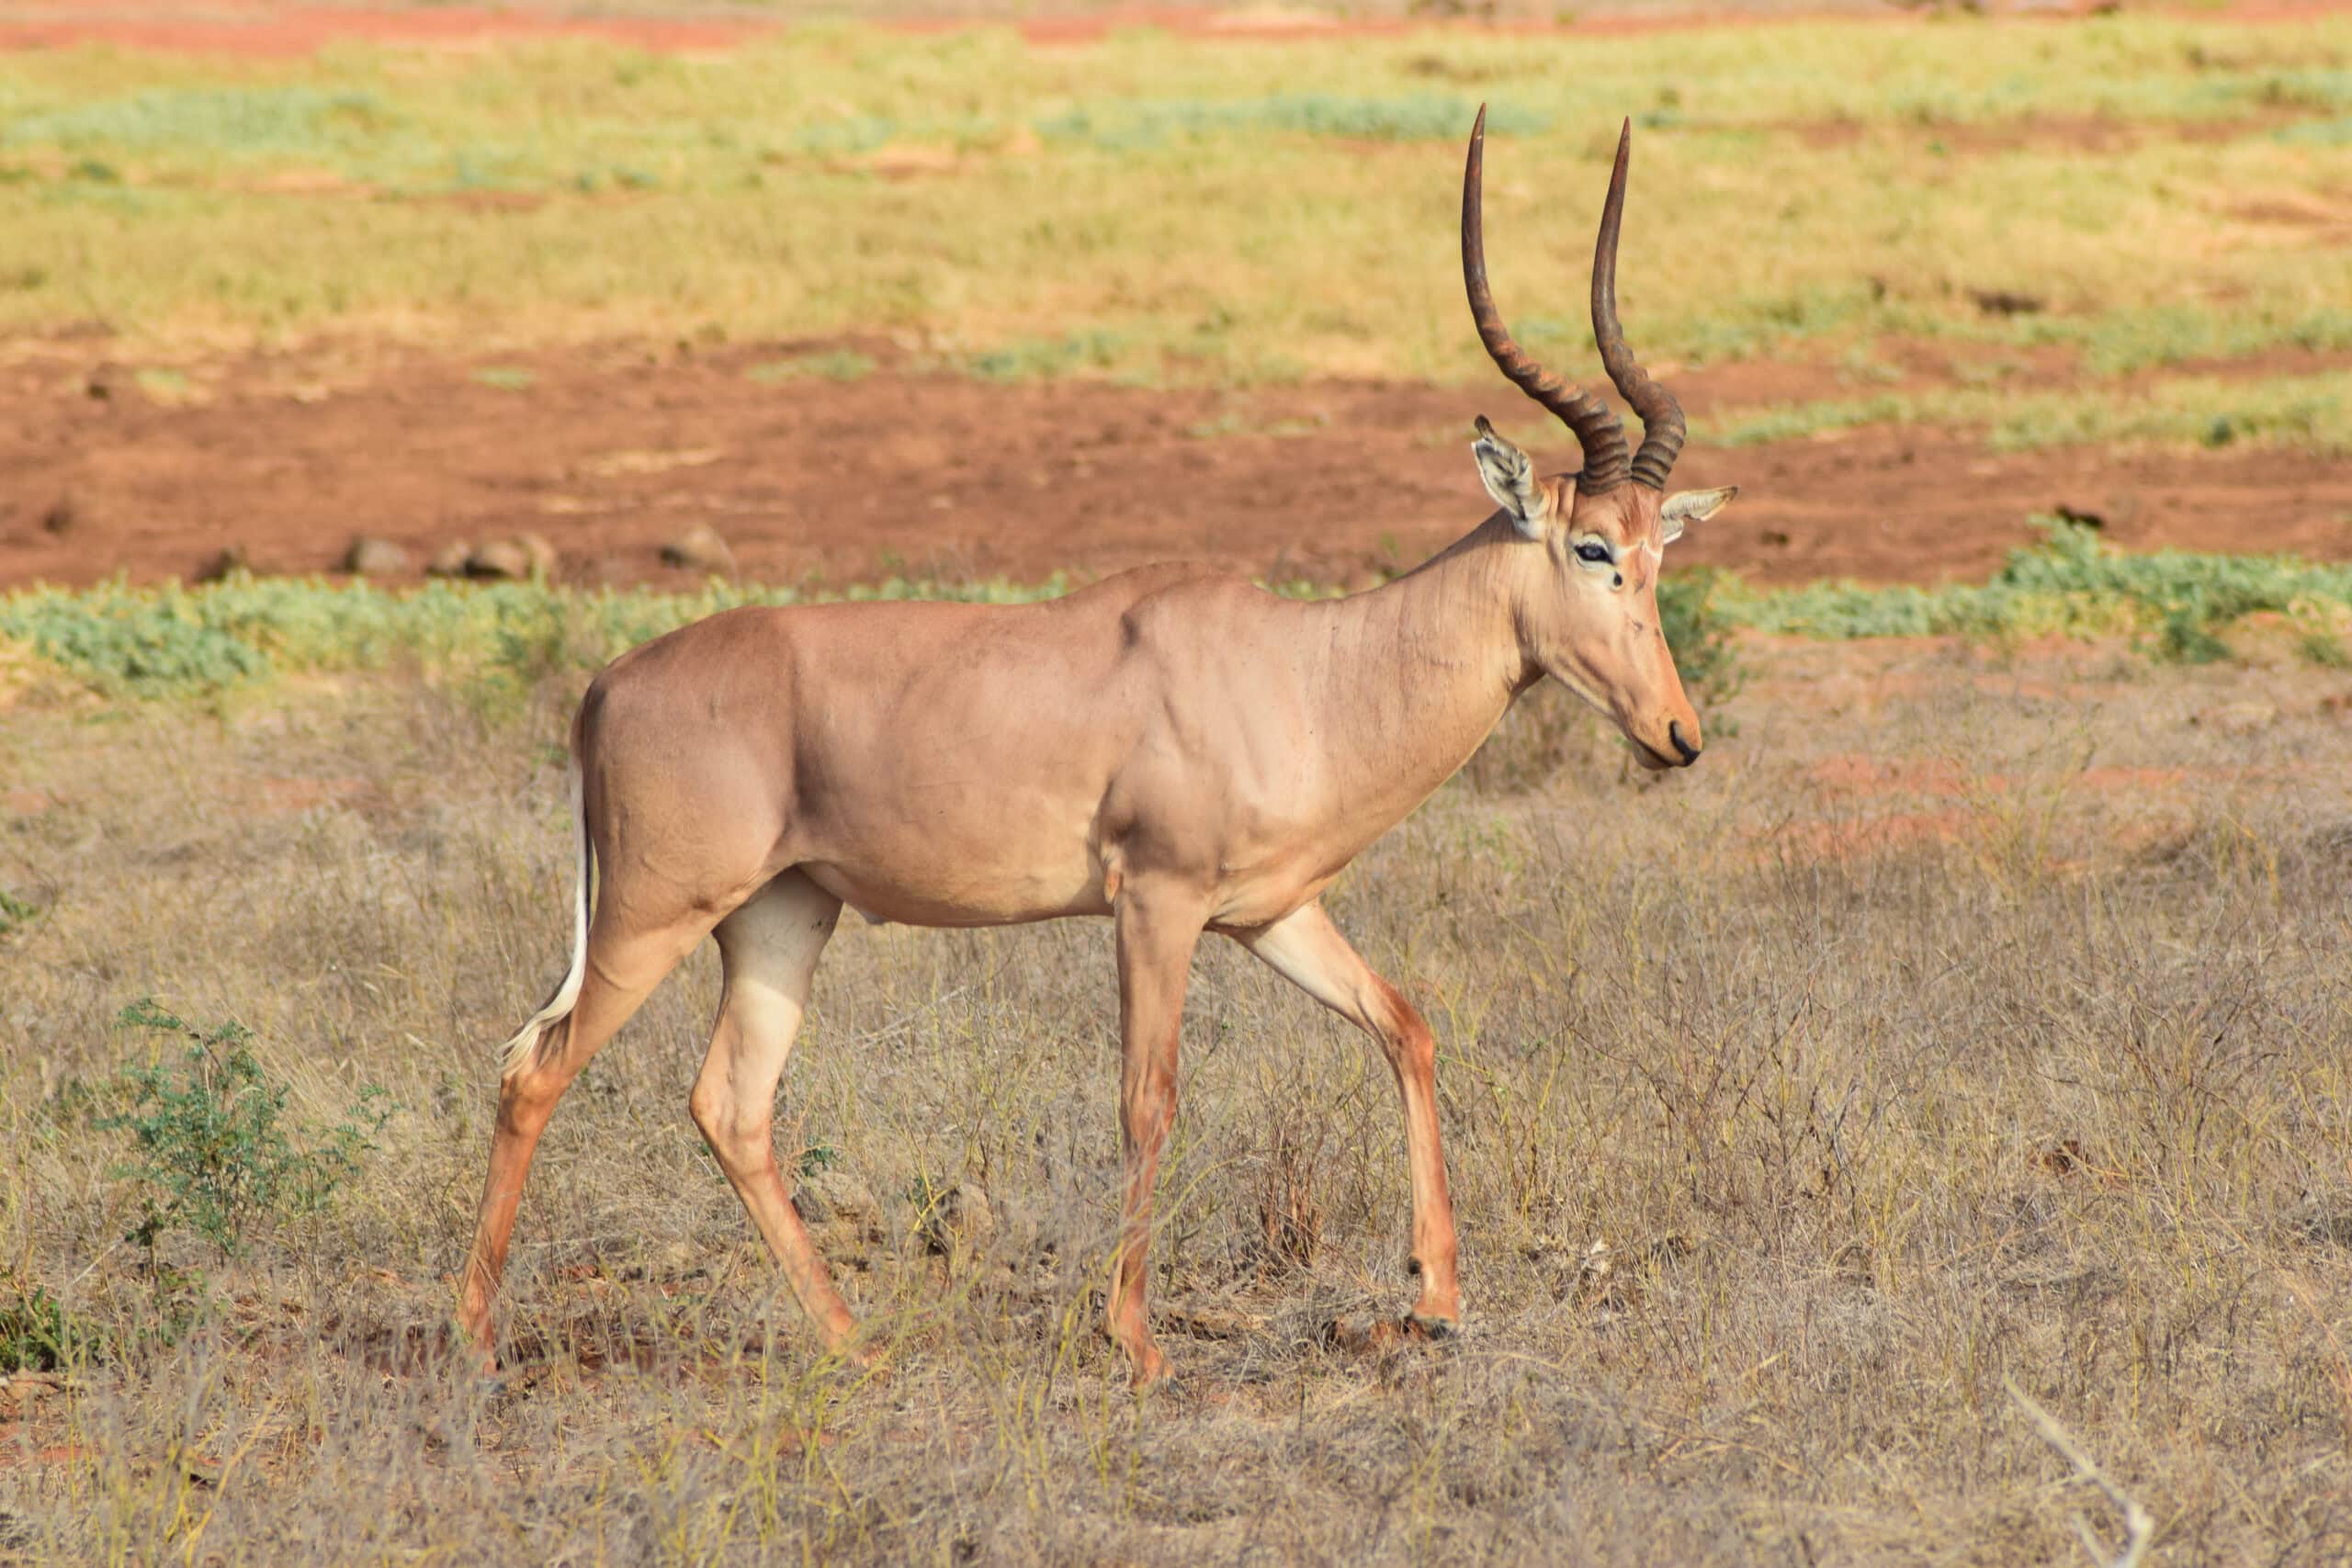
2325	649
38	1335
16	913
212	1154
2183	639
817	1157
1034	358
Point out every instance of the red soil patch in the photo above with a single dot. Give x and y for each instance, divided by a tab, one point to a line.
280	796
1857	775
257	30
1852	838
610	452
267	28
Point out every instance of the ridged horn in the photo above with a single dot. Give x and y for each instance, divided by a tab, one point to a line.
1597	429
1662	427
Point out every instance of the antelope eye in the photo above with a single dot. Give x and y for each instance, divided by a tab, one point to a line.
1597	553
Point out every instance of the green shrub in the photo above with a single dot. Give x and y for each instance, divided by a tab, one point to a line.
222	122
122	641
173	641
2325	649
1699	635
211	1153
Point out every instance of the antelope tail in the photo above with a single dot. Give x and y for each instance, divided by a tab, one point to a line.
517	1051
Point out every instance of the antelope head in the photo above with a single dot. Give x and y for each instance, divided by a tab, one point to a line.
1587	605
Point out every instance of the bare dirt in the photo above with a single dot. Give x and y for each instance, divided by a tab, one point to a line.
611	452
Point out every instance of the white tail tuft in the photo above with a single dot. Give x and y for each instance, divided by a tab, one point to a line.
513	1054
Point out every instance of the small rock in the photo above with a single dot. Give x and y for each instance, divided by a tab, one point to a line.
524	555
232	560
371	557
105	382
700	548
499	558
61	516
962	1215
2007	302
449	560
841	1209
829	1193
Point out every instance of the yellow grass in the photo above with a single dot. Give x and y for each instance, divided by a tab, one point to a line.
1190	209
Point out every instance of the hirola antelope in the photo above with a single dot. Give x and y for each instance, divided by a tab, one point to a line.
1174	748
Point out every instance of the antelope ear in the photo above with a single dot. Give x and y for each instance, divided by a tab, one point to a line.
1510	479
1693	506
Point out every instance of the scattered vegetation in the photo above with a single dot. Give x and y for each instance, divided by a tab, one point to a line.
211	1154
177	640
1129	126
2308	413
2071	583
833	364
1204	212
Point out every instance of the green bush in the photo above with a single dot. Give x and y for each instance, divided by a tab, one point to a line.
1699	635
122	641
211	1153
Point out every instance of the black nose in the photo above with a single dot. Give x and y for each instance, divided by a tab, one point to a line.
1690	753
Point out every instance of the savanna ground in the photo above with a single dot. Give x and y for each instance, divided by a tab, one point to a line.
1976	1013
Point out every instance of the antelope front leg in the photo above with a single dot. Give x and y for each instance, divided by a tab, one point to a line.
1306	949
1156	938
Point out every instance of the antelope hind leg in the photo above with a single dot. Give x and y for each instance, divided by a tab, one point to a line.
770	947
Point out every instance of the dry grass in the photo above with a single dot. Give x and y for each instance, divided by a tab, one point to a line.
1961	1018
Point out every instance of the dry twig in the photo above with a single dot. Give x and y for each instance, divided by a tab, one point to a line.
2139	1524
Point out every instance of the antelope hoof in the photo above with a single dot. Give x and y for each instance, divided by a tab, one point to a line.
1382	1335
468	1344
871	1363
1420	1324
1151	1373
